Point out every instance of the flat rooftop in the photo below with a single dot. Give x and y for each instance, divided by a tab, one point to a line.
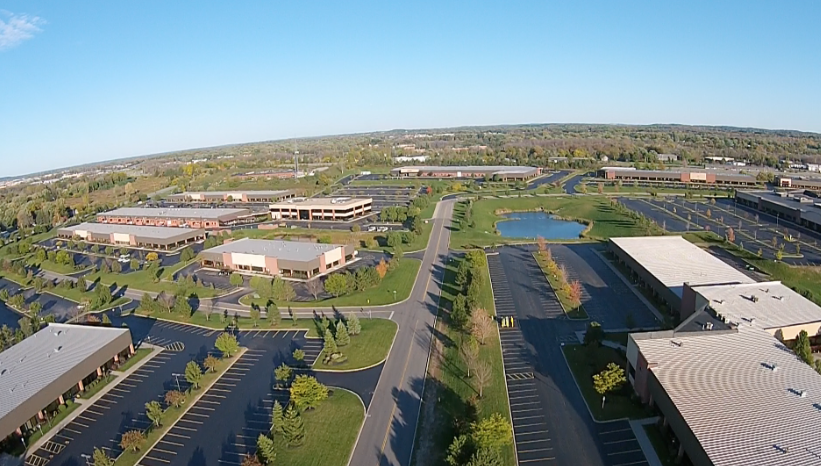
175	212
809	206
740	410
673	261
237	192
776	305
469	168
321	202
286	250
145	231
41	359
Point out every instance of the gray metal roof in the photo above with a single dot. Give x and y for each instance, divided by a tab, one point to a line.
322	202
36	362
741	411
138	230
177	212
777	305
809	210
470	168
239	191
674	261
286	250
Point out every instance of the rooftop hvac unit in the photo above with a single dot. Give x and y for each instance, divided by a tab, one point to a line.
708	326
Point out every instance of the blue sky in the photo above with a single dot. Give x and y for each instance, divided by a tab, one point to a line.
87	81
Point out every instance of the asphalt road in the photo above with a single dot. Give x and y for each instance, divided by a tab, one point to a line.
388	434
570	185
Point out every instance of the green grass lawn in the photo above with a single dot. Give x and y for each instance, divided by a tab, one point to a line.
455	390
37	433
584	363
368	348
52	266
607	222
97	385
143	280
172	414
572	312
330	432
401	280
136	357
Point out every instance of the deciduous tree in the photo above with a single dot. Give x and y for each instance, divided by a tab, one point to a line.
210	363
469	350
484	375
174	398
336	285
132	440
481	325
193	374
314	287
227	344
154	412
609	379
493	431
307	392
283	375
101	458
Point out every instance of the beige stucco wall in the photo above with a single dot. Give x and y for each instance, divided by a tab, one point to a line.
250	260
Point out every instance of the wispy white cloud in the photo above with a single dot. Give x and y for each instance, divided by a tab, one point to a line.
14	28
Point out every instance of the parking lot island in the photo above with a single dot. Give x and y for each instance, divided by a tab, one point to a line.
44	372
150	237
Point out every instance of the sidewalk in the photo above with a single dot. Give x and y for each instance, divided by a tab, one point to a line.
644	441
84	404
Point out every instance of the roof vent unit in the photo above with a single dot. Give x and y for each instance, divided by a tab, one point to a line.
752	321
780	298
675	343
754	298
719	301
708	326
802	393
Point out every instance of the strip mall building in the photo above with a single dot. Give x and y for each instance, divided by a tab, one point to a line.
221	197
179	217
671	176
164	238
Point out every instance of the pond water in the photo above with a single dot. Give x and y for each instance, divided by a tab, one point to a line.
533	224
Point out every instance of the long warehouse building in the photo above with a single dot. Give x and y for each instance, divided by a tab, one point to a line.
221	197
690	177
179	217
500	172
54	365
133	235
290	259
666	263
799	207
322	208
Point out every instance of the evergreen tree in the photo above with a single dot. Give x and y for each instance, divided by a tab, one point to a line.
330	344
293	429
265	449
278	419
802	347
354	327
273	314
342	337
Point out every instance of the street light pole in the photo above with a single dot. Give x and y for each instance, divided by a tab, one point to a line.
87	458
177	377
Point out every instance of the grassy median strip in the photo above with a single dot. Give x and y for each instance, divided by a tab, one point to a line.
330	432
585	361
572	310
368	348
456	397
134	359
172	414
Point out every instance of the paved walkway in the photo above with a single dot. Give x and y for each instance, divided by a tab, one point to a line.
644	440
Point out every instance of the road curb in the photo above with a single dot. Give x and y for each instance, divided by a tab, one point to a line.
593	418
361	368
574	319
